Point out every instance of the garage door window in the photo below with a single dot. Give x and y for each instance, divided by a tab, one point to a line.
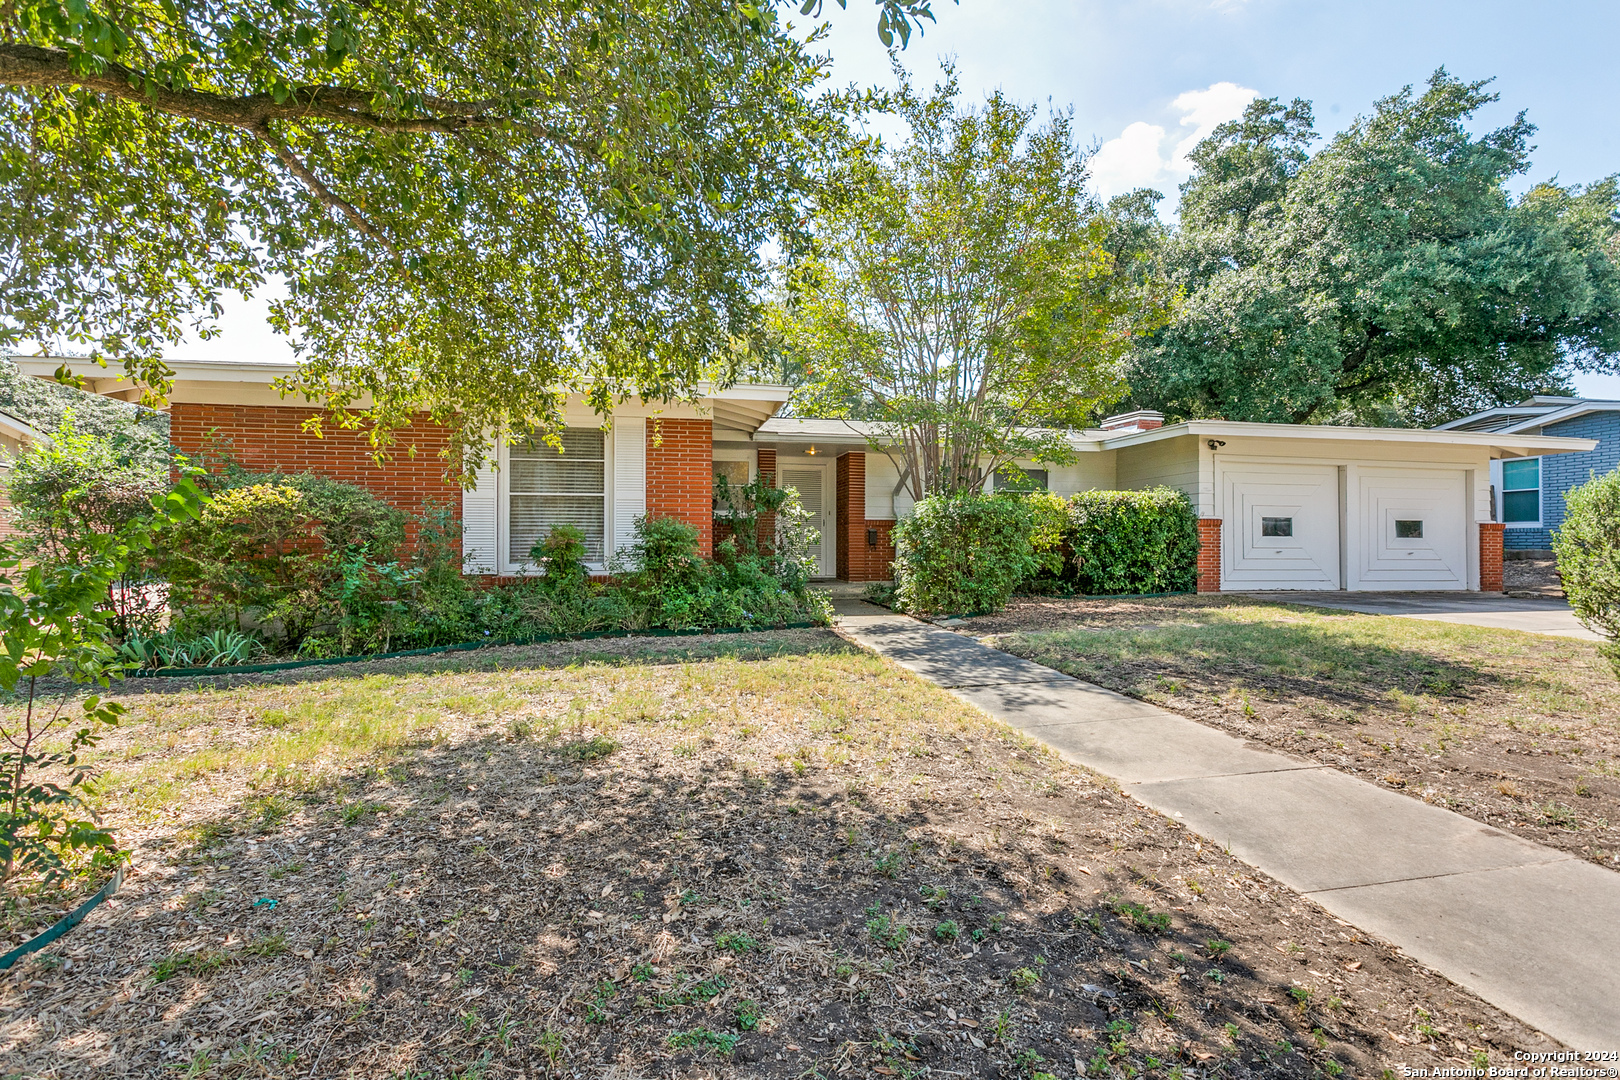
1521	491
1408	530
1276	526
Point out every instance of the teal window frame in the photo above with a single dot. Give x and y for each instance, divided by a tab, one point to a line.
1517	496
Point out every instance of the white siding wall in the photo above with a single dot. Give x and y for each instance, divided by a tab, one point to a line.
881	476
1173	463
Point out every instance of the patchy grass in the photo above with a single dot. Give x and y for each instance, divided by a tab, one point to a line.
1518	730
782	864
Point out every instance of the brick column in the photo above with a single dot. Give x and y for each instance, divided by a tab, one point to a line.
680	475
767	520
851	516
1209	555
1490	556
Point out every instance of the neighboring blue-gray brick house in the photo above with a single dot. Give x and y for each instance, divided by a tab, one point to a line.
1530	491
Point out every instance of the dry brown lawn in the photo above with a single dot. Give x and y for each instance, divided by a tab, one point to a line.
721	857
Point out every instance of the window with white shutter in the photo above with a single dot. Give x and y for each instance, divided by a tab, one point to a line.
546	488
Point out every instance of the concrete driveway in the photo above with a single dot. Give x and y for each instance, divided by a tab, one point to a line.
1535	616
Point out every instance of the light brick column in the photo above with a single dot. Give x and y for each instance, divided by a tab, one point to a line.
1209	555
1490	556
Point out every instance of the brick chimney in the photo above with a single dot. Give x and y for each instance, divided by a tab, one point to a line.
1140	420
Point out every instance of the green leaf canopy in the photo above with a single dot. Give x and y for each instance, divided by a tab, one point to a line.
478	206
1391	277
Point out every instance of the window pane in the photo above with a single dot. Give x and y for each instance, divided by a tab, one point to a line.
1521	506
1276	526
1521	474
537	476
532	517
1012	478
577	443
1408	530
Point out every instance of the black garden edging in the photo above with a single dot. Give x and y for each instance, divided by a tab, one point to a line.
64	924
469	646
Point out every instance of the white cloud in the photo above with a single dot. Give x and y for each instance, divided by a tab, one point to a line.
1204	111
1130	161
1139	156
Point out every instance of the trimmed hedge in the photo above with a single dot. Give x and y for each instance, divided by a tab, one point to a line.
962	555
1588	548
1124	542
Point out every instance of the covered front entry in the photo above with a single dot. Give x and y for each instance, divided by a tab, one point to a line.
813	482
1280	526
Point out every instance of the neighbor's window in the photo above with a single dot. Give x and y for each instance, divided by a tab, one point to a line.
1521	490
1276	526
1012	478
547	488
1408	530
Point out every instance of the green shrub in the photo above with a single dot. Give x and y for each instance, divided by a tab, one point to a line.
81	486
1133	541
290	554
1588	548
963	554
1048	533
561	558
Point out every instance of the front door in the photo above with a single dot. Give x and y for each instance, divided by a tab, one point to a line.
813	483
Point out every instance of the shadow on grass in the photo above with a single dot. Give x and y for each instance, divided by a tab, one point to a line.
548	656
518	905
1350	660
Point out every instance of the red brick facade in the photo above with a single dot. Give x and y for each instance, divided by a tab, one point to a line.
271	437
767	520
859	559
680	475
1209	555
879	562
1490	556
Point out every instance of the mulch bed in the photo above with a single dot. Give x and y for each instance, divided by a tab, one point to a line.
637	902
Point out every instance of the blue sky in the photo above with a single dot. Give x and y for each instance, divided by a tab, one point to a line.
1146	76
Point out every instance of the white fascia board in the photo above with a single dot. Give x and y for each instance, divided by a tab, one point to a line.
21	431
194	370
1531	411
1569	412
1523	445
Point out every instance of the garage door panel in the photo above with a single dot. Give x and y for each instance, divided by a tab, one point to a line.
1280	527
1413	529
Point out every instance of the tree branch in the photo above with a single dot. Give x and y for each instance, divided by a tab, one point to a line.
325	195
33	66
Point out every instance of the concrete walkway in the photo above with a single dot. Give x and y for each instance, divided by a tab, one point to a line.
1532	930
1534	615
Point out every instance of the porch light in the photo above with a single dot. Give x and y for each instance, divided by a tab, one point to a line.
811	452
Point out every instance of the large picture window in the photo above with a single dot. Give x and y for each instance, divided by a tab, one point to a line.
546	488
1521	491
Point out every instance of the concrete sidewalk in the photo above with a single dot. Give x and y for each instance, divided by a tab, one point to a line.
1532	930
1531	614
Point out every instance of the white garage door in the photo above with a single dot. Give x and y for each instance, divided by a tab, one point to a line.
1412	530
1280	526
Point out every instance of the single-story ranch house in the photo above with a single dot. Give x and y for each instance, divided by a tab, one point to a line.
1280	506
1530	490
